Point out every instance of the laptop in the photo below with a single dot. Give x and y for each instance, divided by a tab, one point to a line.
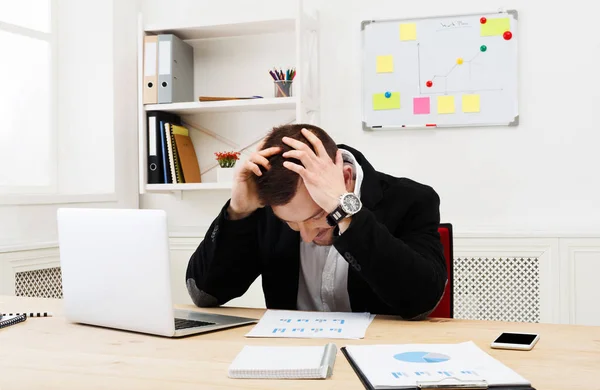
116	273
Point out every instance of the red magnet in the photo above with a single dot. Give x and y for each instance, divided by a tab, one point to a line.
429	84
507	35
483	20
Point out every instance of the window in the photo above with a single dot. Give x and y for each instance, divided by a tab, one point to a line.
27	97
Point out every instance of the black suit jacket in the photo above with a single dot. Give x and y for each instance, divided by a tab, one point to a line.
393	247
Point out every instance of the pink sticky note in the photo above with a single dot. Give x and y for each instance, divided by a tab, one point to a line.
421	105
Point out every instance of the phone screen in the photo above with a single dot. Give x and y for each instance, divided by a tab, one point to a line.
515	338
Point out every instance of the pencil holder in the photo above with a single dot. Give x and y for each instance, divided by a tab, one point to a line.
283	88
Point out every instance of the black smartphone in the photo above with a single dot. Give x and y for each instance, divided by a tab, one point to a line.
518	341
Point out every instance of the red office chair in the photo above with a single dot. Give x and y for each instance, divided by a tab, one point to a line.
445	309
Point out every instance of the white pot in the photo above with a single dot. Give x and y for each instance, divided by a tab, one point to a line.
225	175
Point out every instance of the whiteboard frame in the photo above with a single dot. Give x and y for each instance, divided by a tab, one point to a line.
515	122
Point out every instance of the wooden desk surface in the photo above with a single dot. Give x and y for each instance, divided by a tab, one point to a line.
50	353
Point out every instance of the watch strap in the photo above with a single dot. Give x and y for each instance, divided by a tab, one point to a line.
336	216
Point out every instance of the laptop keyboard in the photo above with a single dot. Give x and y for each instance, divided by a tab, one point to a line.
181	323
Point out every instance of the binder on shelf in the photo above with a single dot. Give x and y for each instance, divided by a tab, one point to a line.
171	157
168	177
175	70
155	164
176	173
178	170
158	157
187	158
11	320
150	93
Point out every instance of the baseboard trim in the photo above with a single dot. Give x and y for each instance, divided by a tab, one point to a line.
29	247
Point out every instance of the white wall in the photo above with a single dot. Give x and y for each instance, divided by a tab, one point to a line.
534	182
538	177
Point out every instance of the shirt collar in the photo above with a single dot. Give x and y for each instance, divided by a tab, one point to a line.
349	158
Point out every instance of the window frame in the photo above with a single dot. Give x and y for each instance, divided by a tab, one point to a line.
8	194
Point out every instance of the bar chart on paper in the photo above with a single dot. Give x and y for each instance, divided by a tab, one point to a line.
441	71
303	324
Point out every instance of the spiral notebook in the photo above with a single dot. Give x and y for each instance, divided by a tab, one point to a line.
11	320
301	362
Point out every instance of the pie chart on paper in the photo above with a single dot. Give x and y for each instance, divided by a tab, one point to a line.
422	357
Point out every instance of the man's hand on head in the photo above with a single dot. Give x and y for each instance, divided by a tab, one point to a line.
323	178
244	197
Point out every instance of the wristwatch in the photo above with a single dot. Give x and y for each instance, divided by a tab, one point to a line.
349	204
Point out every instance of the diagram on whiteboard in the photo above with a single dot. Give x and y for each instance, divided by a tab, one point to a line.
459	70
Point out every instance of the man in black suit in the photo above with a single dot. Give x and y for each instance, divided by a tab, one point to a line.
326	231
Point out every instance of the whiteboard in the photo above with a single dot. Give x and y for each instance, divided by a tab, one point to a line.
442	71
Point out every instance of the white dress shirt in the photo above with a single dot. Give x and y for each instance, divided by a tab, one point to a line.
323	281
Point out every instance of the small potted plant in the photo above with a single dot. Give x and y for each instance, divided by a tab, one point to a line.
226	162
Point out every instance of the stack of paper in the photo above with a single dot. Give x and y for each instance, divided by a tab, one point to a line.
299	362
304	324
410	365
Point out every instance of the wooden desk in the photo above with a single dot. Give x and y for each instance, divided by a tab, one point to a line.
49	353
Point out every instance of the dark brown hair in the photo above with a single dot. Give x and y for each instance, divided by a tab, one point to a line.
278	185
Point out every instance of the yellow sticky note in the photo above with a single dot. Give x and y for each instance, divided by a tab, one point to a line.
408	31
495	26
385	64
381	102
470	103
445	104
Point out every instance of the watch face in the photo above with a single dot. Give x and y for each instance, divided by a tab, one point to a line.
351	203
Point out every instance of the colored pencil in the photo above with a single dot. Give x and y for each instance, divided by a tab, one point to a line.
282	75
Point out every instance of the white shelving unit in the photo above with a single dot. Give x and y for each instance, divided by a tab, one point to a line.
226	106
188	186
302	105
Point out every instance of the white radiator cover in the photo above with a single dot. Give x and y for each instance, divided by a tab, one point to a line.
497	289
531	279
498	277
512	279
41	283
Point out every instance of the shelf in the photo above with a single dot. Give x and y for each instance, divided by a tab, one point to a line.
264	104
227	30
233	50
187	187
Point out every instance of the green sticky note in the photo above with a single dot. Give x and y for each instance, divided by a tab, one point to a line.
385	64
445	104
470	103
495	26
408	31
380	102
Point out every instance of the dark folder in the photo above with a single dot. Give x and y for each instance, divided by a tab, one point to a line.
430	385
158	159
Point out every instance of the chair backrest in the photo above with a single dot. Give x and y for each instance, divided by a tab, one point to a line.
445	309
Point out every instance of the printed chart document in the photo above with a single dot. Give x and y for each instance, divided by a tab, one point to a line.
410	365
308	324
